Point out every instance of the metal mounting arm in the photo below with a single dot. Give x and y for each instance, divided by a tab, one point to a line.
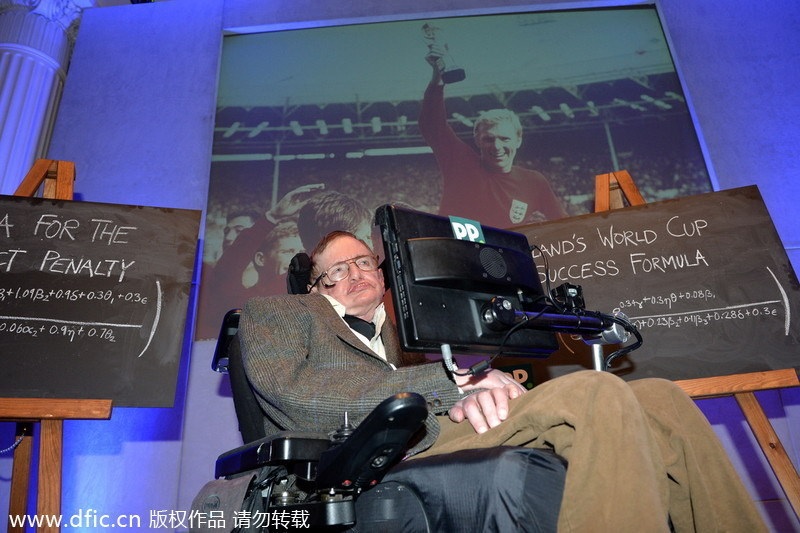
596	329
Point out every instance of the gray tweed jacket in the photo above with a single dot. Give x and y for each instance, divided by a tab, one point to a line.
308	368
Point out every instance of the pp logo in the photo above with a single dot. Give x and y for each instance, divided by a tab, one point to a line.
465	229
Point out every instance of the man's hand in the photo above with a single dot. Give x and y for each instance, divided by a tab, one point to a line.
435	53
290	204
488	407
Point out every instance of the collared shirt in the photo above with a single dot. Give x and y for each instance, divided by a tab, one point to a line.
375	343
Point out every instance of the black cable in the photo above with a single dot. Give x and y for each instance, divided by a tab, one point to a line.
548	294
483	365
630	328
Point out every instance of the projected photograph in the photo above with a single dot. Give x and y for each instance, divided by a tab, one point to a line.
504	119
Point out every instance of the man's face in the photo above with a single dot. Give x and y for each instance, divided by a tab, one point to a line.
234	227
360	292
498	144
285	249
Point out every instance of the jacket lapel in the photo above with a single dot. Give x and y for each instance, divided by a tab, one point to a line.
391	343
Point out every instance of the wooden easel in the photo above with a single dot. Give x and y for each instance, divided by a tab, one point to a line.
56	179
616	190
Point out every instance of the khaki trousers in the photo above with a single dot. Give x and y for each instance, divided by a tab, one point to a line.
640	454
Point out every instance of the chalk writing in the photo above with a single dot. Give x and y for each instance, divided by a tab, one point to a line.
699	276
642	263
95	290
39	294
696	317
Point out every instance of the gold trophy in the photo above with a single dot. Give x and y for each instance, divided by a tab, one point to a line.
450	72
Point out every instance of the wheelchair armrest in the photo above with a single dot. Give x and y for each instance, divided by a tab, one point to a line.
353	465
375	445
282	448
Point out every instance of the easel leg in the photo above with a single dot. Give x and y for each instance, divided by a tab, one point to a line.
772	447
50	455
20	474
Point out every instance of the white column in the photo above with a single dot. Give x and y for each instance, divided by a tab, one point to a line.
34	54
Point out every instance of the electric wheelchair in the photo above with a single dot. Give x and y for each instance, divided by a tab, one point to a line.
354	479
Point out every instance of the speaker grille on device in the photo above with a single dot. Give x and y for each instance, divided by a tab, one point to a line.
493	262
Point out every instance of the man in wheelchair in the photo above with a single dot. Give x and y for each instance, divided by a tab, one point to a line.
641	456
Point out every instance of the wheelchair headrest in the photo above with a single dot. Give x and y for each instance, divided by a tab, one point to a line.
299	275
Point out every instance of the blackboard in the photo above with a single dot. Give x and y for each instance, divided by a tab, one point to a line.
705	279
93	299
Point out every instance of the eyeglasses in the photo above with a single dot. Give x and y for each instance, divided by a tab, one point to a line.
339	271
